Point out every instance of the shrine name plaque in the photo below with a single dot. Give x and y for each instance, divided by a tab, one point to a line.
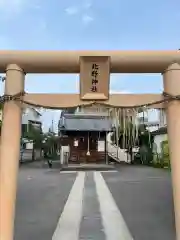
94	77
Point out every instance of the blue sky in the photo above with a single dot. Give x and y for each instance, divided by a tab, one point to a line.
88	24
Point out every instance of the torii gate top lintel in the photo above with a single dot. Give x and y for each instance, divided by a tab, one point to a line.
68	61
94	68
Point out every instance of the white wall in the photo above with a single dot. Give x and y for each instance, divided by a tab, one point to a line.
28	114
29	145
27	155
152	117
64	149
162	118
152	128
97	110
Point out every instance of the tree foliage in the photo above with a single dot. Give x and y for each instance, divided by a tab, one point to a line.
165	154
35	135
162	159
39	138
49	139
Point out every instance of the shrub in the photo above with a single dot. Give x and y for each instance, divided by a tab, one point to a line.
165	154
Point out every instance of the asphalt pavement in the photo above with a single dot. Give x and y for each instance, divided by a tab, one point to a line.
127	202
144	197
41	196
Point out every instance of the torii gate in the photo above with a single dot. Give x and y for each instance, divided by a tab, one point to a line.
88	64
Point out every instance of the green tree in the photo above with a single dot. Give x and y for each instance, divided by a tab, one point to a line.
145	140
165	158
34	134
50	145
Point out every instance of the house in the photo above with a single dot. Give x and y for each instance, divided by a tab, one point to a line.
152	125
84	119
85	134
97	112
30	117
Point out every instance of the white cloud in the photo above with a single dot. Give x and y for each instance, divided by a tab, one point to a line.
72	10
81	10
86	19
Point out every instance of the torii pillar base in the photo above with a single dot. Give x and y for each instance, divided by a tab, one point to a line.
171	80
10	151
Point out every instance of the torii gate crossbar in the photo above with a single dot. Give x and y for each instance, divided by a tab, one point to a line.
17	63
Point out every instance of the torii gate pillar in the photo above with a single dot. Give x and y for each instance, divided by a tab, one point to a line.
171	78
10	151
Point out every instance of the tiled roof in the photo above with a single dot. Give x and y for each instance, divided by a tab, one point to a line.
71	122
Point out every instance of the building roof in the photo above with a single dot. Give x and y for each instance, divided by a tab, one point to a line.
161	130
72	122
26	106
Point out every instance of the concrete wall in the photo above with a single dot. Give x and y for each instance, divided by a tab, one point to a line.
64	150
27	155
29	145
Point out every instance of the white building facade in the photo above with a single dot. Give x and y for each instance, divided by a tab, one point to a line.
30	114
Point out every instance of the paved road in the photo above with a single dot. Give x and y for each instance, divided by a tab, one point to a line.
124	203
